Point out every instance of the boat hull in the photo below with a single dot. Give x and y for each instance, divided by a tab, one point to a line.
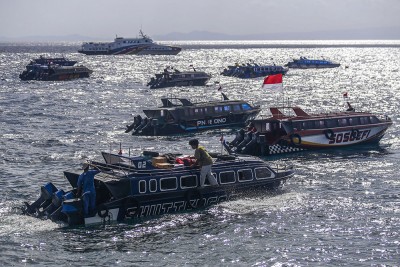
197	125
311	140
139	193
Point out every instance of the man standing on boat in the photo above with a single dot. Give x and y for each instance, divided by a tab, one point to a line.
86	189
204	160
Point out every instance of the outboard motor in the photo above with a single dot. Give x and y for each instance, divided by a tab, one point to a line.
249	148
136	122
141	125
238	138
56	201
73	208
147	125
57	215
247	138
46	193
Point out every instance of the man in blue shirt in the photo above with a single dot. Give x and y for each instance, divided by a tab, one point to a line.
87	190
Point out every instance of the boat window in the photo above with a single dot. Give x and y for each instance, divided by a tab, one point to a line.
205	110
296	125
188	181
153	185
236	107
218	109
246	107
227	108
331	123
142	186
245	175
354	121
263	173
319	124
168	184
307	125
364	120
373	119
198	111
227	177
343	122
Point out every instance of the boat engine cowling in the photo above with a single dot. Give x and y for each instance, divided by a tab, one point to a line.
45	198
73	209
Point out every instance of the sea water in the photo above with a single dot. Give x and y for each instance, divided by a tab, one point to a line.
342	208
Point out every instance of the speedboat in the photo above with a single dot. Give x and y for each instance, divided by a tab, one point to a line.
54	72
132	187
305	63
283	133
253	70
61	61
173	77
142	45
180	116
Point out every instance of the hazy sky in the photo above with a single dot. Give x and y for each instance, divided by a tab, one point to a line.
105	18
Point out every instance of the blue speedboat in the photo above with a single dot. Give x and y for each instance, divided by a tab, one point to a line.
305	63
128	188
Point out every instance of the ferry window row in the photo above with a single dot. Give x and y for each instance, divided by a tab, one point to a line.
216	110
332	123
191	181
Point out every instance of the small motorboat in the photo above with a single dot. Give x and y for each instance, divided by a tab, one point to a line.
180	116
132	187
253	70
173	77
305	63
54	72
282	133
61	61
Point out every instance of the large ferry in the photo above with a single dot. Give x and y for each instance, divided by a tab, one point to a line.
180	116
131	187
142	45
284	133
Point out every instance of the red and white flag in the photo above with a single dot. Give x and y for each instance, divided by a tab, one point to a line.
273	82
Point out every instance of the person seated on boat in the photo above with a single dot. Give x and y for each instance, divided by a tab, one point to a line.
204	161
86	189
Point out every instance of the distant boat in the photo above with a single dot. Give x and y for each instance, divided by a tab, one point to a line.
248	70
54	72
173	77
62	61
180	116
305	63
143	45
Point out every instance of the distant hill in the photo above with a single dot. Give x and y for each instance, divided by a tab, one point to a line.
48	38
389	33
392	33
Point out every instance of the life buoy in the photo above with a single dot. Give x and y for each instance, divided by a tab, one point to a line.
191	195
293	137
103	211
354	133
329	134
